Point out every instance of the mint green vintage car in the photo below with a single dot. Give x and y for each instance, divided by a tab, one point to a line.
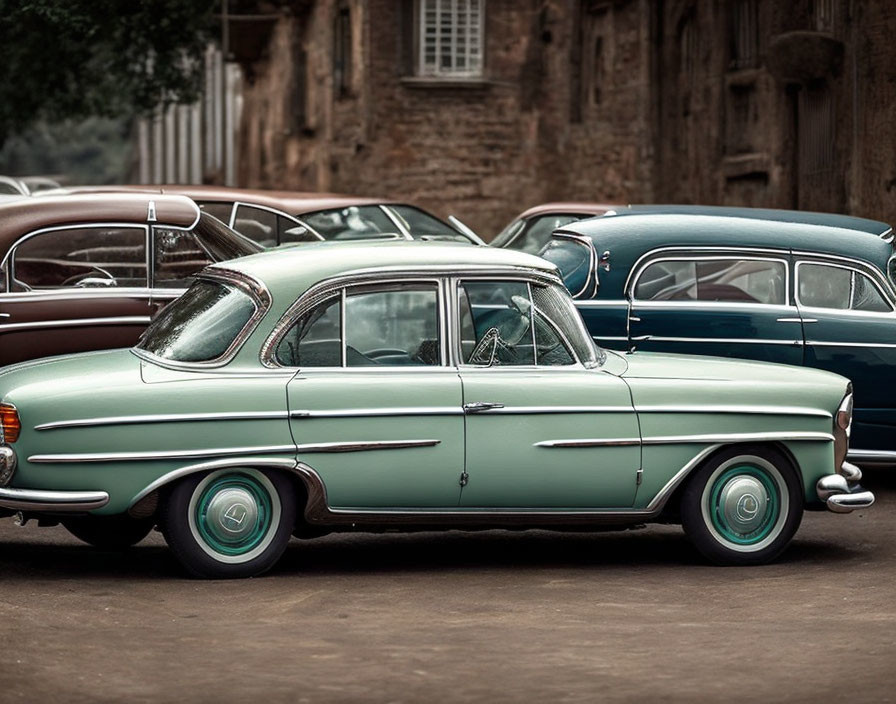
375	386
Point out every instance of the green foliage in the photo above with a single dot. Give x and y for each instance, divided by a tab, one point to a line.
68	59
97	150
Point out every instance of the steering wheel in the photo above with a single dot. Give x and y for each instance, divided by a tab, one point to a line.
73	280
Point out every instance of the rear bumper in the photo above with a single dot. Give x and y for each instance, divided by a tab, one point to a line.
842	492
52	501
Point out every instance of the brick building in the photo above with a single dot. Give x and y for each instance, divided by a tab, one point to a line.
483	107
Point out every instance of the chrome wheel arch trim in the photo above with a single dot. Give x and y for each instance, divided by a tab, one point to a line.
252	462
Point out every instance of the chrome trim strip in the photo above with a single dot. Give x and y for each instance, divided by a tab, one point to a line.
75	322
723	340
618	338
160	418
802	436
379	412
39	500
158	455
598	303
529	410
872	456
747	410
68	294
817	343
589	442
364	445
592	281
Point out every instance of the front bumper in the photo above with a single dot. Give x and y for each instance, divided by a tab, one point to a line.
52	501
842	493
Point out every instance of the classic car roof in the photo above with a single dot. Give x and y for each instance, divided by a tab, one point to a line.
568	207
22	216
292	202
297	268
849	222
628	236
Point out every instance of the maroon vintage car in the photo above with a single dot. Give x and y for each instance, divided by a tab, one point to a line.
273	218
530	230
86	272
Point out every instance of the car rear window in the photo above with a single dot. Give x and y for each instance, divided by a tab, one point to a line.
573	259
201	325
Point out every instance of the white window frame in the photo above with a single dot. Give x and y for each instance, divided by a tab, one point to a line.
433	35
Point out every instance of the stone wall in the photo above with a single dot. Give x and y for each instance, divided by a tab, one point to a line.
742	102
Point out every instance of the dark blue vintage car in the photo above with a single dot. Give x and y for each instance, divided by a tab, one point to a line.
797	288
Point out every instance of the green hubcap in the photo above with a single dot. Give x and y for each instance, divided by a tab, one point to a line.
744	504
233	514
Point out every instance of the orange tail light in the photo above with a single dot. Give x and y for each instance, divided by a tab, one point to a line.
9	422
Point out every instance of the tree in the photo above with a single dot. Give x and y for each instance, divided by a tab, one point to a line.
70	59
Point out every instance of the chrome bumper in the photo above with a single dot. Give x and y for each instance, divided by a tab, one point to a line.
60	501
841	493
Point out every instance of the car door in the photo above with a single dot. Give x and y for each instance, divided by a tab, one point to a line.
542	430
374	408
850	328
720	304
73	289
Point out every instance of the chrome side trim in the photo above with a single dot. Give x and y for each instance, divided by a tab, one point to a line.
380	412
140	292
817	343
725	340
529	410
886	457
747	410
76	322
598	303
160	418
39	500
159	455
364	445
722	438
589	442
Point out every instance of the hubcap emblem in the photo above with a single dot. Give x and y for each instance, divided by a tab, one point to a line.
233	517
747	507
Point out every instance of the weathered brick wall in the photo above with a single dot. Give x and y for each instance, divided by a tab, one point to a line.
614	101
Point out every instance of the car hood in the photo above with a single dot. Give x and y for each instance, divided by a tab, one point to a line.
656	378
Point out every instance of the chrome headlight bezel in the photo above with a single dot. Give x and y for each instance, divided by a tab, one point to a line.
842	429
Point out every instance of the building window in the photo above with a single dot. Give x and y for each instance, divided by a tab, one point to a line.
450	38
342	51
744	34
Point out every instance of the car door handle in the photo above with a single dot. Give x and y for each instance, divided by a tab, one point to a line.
797	320
480	406
4	315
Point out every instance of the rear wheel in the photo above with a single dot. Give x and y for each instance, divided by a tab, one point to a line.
109	532
229	523
743	506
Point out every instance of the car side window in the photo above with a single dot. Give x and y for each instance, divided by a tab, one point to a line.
384	326
508	323
723	280
219	210
315	339
257	224
177	255
396	327
90	257
838	288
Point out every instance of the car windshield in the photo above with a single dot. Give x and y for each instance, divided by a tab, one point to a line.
573	259
201	325
354	222
220	242
424	226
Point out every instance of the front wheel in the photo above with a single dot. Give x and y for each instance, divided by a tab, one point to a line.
743	506
230	523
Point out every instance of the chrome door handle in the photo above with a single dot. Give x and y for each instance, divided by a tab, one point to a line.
480	406
797	320
4	315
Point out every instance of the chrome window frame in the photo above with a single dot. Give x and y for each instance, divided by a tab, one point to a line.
7	264
259	295
592	281
701	302
275	211
848	311
457	352
338	286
